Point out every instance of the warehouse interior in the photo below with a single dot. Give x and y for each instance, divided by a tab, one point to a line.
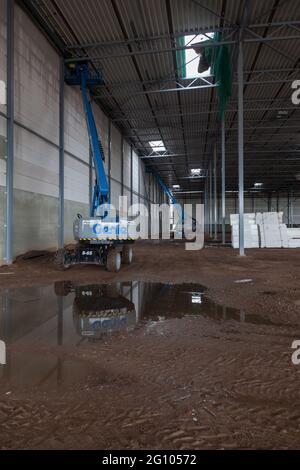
180	348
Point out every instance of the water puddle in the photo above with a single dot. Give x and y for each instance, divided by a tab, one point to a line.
68	314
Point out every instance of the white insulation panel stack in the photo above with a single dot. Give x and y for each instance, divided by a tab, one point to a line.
265	230
251	231
293	237
269	229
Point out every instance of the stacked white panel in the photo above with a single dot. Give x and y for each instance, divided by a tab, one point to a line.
294	237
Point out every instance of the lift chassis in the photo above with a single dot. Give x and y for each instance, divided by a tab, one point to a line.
110	254
104	238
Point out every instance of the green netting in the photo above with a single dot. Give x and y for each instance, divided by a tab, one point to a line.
218	58
219	61
180	57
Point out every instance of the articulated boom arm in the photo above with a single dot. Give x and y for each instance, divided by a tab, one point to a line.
166	190
79	74
184	218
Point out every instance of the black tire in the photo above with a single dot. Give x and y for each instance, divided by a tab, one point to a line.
62	288
59	260
127	254
113	261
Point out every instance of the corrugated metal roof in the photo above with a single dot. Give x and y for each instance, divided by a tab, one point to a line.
123	33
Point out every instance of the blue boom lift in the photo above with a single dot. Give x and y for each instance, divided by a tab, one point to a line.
182	216
103	238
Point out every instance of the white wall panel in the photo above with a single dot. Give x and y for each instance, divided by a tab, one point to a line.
76	135
102	127
115	193
115	154
36	164
142	179
128	194
135	172
76	181
36	78
127	165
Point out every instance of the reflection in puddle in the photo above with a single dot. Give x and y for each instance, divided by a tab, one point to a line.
45	371
68	314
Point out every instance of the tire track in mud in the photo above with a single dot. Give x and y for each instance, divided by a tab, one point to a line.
207	392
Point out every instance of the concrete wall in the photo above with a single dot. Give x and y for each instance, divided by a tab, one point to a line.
36	170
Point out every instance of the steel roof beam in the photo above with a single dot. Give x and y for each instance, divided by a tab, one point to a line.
257	39
190	88
197	31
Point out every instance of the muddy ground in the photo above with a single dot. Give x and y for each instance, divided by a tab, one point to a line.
189	383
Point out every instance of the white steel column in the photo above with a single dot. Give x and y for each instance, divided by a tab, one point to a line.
241	149
223	182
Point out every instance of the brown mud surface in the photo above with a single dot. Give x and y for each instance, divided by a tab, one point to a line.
177	383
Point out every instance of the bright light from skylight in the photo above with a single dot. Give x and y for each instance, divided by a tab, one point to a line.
192	58
196	171
196	298
157	145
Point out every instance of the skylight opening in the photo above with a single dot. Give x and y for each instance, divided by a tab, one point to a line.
196	171
196	298
192	58
157	145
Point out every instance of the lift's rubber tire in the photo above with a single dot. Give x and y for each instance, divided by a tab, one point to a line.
59	260
127	254
62	288
113	261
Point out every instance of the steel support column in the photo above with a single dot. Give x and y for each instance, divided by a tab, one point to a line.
292	208
223	182
122	166
109	158
8	254
131	174
215	196
241	149
288	209
205	208
61	218
210	199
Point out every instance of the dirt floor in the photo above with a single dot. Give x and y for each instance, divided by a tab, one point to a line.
189	383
